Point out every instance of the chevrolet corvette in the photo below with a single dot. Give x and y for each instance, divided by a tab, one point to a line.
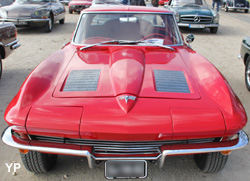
127	89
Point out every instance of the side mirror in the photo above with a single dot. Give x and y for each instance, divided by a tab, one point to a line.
190	38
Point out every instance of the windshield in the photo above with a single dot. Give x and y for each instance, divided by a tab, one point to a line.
99	27
189	3
32	1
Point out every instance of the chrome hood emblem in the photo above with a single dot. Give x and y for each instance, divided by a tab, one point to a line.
127	98
197	19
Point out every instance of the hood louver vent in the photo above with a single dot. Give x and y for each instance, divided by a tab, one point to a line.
170	81
82	80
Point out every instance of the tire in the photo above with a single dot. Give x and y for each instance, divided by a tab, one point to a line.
210	162
1	67
70	12
247	74
226	9
246	10
62	21
214	30
38	162
49	25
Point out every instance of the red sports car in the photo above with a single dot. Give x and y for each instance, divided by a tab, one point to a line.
79	5
127	89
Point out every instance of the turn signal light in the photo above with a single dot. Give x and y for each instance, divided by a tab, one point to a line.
23	151
226	152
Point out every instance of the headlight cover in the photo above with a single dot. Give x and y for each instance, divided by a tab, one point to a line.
41	13
177	16
3	14
216	17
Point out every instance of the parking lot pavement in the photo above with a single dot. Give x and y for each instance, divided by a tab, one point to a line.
221	49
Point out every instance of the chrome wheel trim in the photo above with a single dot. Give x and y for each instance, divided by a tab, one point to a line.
50	24
248	74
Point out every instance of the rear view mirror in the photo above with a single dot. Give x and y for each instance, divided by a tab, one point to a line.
190	38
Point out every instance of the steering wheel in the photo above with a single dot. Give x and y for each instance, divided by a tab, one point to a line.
96	39
154	35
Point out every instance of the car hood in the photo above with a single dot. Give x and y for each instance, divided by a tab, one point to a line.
197	10
127	71
22	10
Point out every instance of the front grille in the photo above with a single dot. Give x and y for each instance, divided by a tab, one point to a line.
122	147
196	19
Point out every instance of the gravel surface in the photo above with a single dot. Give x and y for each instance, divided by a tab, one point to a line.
221	49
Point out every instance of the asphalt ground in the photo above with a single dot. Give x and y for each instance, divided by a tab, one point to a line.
221	49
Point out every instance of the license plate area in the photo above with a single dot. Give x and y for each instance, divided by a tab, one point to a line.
196	26
20	23
116	169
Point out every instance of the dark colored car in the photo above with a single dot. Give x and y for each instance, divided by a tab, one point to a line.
194	14
245	55
8	41
37	13
236	5
79	5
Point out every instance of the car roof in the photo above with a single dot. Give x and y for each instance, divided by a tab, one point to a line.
125	8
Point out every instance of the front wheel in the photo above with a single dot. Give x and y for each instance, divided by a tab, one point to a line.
246	10
38	162
62	21
1	67
214	30
247	74
211	162
49	25
226	9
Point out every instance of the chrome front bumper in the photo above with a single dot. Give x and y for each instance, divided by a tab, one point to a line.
24	21
13	45
241	8
8	140
205	25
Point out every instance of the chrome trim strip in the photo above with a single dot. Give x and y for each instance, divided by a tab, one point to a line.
11	43
8	140
15	46
242	8
247	47
196	15
24	20
205	25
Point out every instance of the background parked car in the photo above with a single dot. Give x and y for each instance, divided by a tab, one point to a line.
163	2
245	55
194	14
38	13
8	41
236	5
79	5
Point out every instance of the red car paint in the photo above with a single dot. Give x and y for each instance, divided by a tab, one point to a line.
210	110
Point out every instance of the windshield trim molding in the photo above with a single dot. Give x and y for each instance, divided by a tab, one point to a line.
127	12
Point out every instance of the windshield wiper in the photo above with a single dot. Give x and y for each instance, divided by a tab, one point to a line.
121	42
100	43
